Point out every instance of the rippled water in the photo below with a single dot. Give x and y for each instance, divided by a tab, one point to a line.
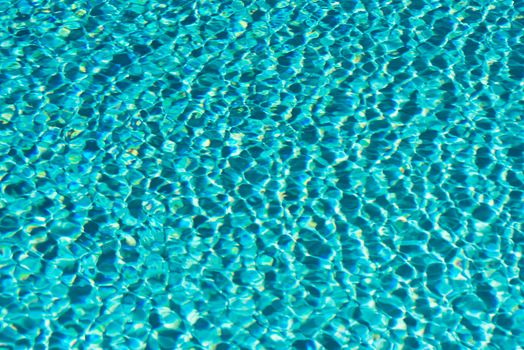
261	174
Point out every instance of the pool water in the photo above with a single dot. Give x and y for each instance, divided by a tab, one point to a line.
261	174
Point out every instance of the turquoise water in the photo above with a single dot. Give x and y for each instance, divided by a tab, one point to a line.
261	174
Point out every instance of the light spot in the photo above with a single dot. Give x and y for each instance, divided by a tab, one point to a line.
193	317
64	32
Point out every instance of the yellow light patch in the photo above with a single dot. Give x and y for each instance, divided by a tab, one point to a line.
64	32
130	241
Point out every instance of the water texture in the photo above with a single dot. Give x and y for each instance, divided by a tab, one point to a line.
261	174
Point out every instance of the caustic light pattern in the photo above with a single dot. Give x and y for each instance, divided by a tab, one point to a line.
261	174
